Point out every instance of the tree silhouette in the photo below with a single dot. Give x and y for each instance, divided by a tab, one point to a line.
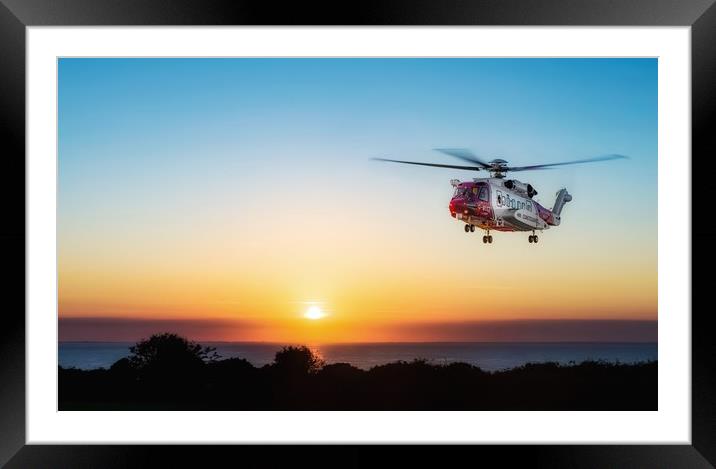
298	360
169	350
170	367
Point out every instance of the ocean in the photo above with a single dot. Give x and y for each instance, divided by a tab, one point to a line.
489	356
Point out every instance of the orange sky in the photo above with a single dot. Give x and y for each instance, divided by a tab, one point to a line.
367	284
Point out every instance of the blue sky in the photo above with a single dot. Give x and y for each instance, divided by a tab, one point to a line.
144	115
152	150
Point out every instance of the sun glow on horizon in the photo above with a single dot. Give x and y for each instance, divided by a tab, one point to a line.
314	313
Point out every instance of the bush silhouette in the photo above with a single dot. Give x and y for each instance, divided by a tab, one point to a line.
123	365
123	369
299	360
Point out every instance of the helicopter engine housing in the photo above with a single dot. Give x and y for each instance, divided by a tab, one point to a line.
521	187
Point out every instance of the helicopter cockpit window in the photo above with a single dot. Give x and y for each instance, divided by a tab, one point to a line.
483	193
460	192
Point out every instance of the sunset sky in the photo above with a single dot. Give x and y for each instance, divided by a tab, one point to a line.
226	197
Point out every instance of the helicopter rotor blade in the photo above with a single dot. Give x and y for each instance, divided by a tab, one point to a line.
469	168
465	155
550	165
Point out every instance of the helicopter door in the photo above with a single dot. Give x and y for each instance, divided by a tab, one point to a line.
483	202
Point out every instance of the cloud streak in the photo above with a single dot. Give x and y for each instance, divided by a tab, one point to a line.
124	329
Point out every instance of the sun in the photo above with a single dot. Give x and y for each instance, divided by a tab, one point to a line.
314	312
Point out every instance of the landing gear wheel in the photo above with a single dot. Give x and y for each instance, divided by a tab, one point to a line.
484	239
472	228
489	239
531	238
535	238
467	228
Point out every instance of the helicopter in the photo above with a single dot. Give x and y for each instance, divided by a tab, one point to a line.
501	204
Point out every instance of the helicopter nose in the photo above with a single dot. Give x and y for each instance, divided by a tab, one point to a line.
456	206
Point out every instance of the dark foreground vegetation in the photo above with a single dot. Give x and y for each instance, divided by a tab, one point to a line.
168	372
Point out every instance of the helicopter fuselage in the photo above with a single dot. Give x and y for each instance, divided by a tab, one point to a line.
499	204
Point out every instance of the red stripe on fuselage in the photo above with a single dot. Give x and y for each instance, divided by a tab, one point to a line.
545	214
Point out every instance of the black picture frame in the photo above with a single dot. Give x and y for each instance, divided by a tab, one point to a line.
16	15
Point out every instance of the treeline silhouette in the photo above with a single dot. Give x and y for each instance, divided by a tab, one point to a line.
169	372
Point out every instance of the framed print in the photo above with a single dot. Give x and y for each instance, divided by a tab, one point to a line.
414	224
